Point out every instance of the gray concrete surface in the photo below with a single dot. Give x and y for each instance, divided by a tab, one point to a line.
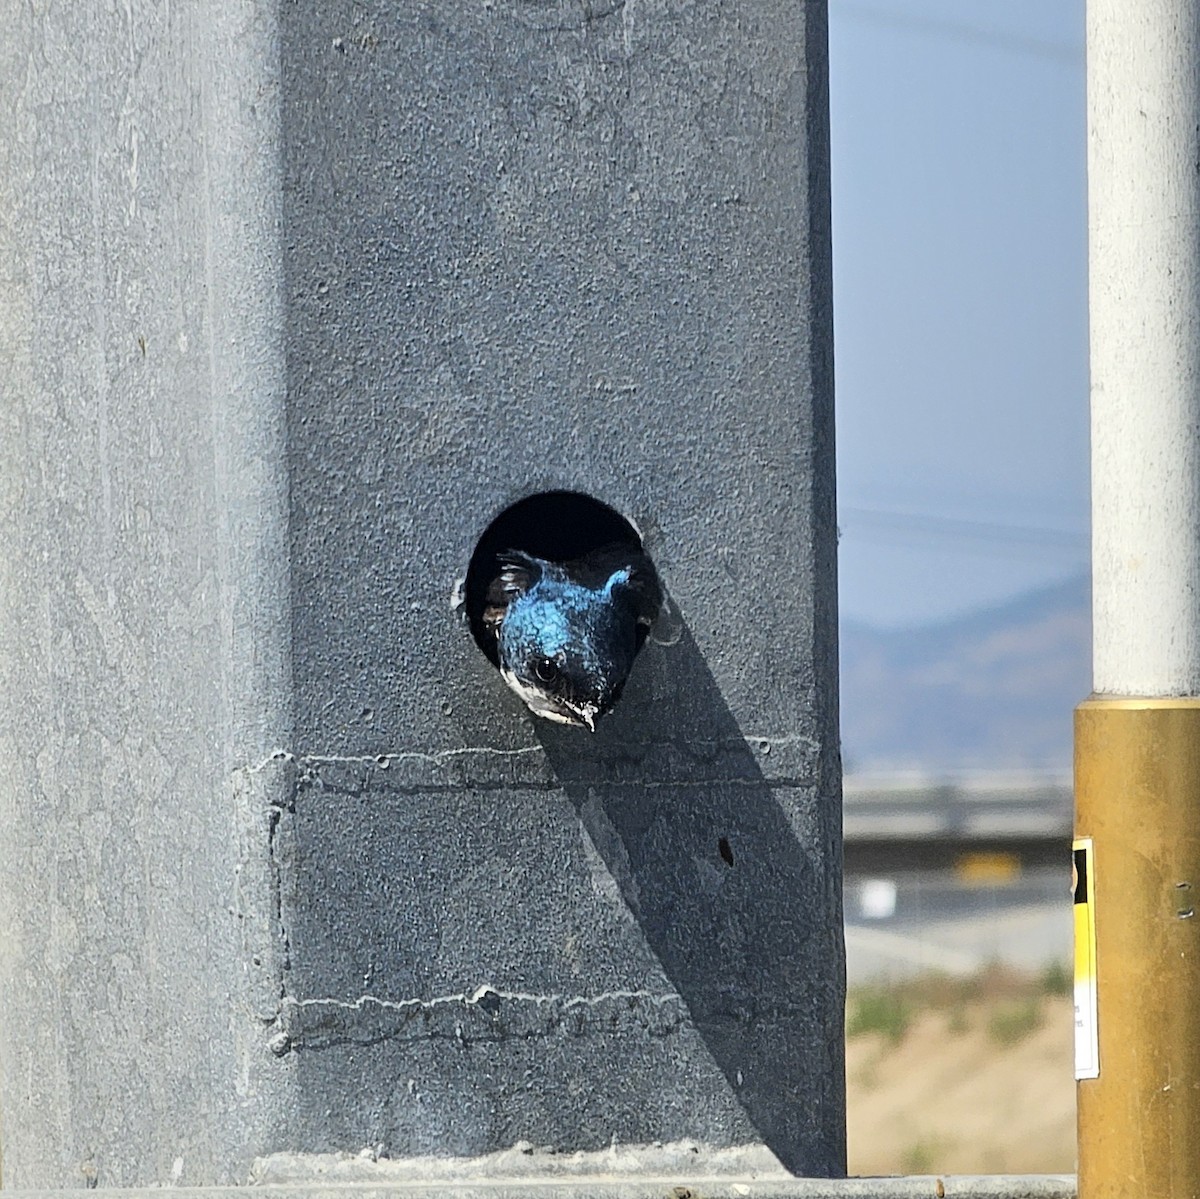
143	601
299	300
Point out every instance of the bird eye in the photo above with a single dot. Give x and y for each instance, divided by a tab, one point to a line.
545	670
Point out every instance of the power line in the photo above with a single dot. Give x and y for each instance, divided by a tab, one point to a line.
907	526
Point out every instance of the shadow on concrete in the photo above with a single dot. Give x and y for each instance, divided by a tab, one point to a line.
725	873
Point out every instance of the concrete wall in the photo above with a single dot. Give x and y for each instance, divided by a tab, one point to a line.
298	301
143	629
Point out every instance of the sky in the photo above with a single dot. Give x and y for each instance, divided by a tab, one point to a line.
960	291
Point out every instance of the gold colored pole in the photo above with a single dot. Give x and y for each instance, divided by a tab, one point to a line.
1137	797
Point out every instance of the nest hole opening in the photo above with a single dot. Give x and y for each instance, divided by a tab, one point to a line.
558	526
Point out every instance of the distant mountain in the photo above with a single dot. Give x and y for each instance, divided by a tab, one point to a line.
993	689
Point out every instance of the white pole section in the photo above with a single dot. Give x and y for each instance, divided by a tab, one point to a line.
1144	250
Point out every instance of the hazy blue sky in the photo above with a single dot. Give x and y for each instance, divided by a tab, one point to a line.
959	232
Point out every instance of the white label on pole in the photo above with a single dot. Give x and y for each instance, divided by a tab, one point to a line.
1083	886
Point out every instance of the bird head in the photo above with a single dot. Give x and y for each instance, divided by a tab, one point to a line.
567	634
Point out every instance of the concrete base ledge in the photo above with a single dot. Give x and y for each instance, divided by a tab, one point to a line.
679	1170
673	1186
672	1171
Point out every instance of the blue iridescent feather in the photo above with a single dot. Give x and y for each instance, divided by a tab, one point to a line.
567	633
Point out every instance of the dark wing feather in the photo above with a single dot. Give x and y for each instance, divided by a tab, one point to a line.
518	572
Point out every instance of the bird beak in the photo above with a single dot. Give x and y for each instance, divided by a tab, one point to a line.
587	714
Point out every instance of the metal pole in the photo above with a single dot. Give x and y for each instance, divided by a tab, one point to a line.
1137	739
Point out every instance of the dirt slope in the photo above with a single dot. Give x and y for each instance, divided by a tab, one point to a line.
984	1085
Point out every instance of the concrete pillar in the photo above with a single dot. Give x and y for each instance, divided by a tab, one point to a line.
143	586
1138	737
300	299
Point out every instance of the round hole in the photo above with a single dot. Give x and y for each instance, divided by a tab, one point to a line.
558	526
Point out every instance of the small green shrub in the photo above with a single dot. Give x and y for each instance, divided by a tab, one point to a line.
1013	1022
878	1009
921	1157
1055	979
958	1022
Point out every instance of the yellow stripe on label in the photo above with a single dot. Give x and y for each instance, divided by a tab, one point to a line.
1083	886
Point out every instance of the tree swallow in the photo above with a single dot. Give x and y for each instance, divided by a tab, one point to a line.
566	634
